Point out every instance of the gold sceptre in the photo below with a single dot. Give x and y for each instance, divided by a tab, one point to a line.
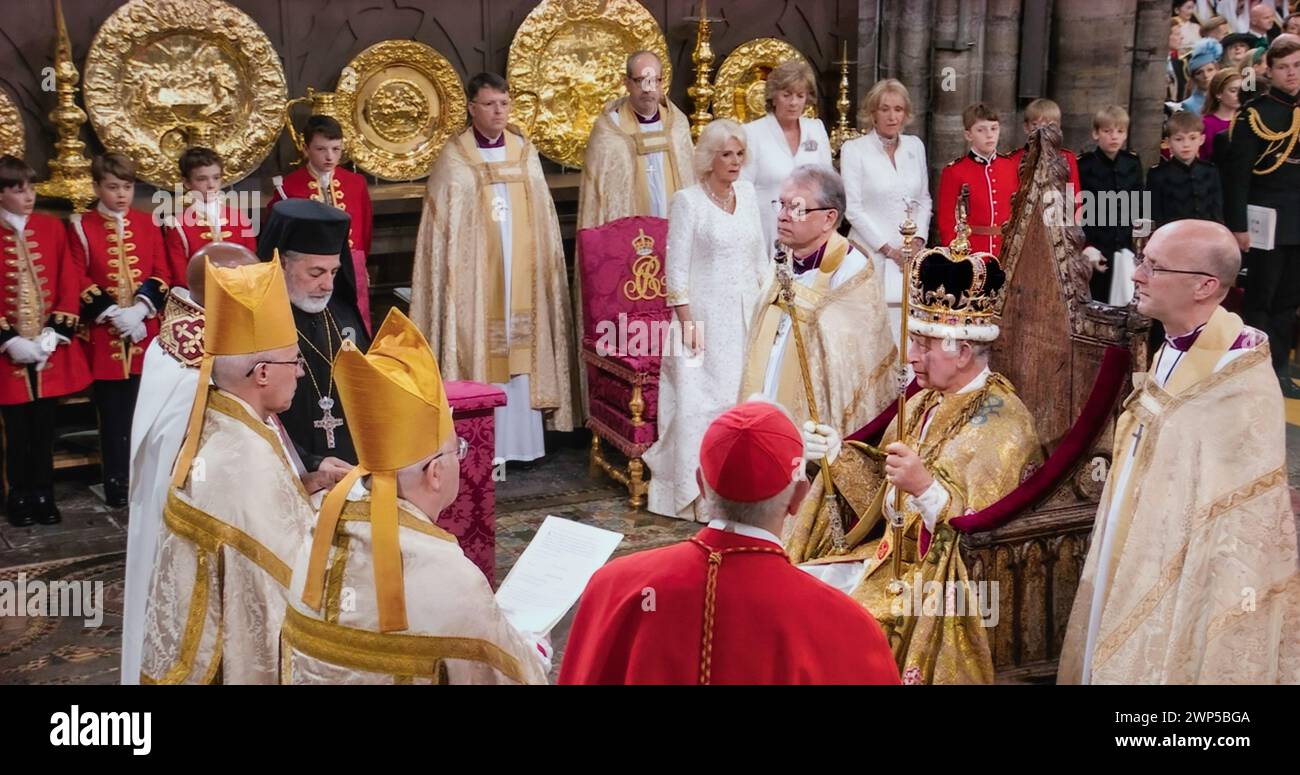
70	170
908	230
785	277
701	93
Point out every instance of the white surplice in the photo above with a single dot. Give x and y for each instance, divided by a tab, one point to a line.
520	430
162	410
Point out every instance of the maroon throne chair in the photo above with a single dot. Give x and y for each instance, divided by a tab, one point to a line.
625	317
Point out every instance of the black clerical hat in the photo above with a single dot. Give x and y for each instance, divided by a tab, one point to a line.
304	226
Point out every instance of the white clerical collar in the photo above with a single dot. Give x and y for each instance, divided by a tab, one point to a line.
107	213
15	221
740	528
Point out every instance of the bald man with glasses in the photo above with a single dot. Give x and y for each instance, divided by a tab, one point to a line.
1192	576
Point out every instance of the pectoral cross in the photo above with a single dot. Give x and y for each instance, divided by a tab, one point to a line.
1137	436
328	422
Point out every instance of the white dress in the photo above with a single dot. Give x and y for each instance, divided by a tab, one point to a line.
768	161
715	261
876	193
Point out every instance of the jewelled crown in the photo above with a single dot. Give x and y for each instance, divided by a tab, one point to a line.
954	293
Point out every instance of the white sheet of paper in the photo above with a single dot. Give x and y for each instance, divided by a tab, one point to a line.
550	575
1261	225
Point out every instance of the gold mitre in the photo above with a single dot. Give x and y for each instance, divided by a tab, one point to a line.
954	293
393	396
394	399
246	310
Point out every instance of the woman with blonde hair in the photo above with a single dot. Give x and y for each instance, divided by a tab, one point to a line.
716	267
883	171
784	138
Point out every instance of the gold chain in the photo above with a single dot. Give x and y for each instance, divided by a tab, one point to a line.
329	345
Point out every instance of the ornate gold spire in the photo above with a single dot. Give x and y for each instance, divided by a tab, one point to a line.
701	93
70	170
843	131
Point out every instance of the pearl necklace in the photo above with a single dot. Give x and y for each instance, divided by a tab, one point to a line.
725	205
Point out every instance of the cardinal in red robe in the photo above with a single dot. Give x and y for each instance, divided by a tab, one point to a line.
726	606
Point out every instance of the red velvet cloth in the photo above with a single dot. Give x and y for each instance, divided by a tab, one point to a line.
1111	377
625	318
773	623
472	516
608	255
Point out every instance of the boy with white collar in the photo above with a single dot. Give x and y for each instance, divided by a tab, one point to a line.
38	318
126	277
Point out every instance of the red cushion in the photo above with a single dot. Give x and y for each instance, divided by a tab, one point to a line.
466	396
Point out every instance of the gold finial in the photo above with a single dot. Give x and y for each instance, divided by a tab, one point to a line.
701	92
70	169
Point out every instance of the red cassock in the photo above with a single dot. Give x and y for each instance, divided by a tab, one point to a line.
642	621
992	184
41	289
349	193
190	231
116	271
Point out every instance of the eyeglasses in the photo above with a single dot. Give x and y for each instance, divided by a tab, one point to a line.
462	449
300	363
1150	268
796	211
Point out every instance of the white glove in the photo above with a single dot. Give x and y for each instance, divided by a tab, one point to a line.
820	441
137	333
50	340
24	351
126	319
1095	259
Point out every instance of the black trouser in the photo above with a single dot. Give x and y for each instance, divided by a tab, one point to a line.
115	402
29	446
1271	297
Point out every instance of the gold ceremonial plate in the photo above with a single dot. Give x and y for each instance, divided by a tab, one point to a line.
163	75
404	101
740	88
567	61
12	139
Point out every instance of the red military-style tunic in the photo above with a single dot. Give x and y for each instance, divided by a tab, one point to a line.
40	291
117	268
642	620
191	230
992	184
348	192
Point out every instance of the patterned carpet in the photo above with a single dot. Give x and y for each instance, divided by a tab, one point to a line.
90	546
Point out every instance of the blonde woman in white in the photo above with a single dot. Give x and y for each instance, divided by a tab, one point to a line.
784	138
883	171
716	268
